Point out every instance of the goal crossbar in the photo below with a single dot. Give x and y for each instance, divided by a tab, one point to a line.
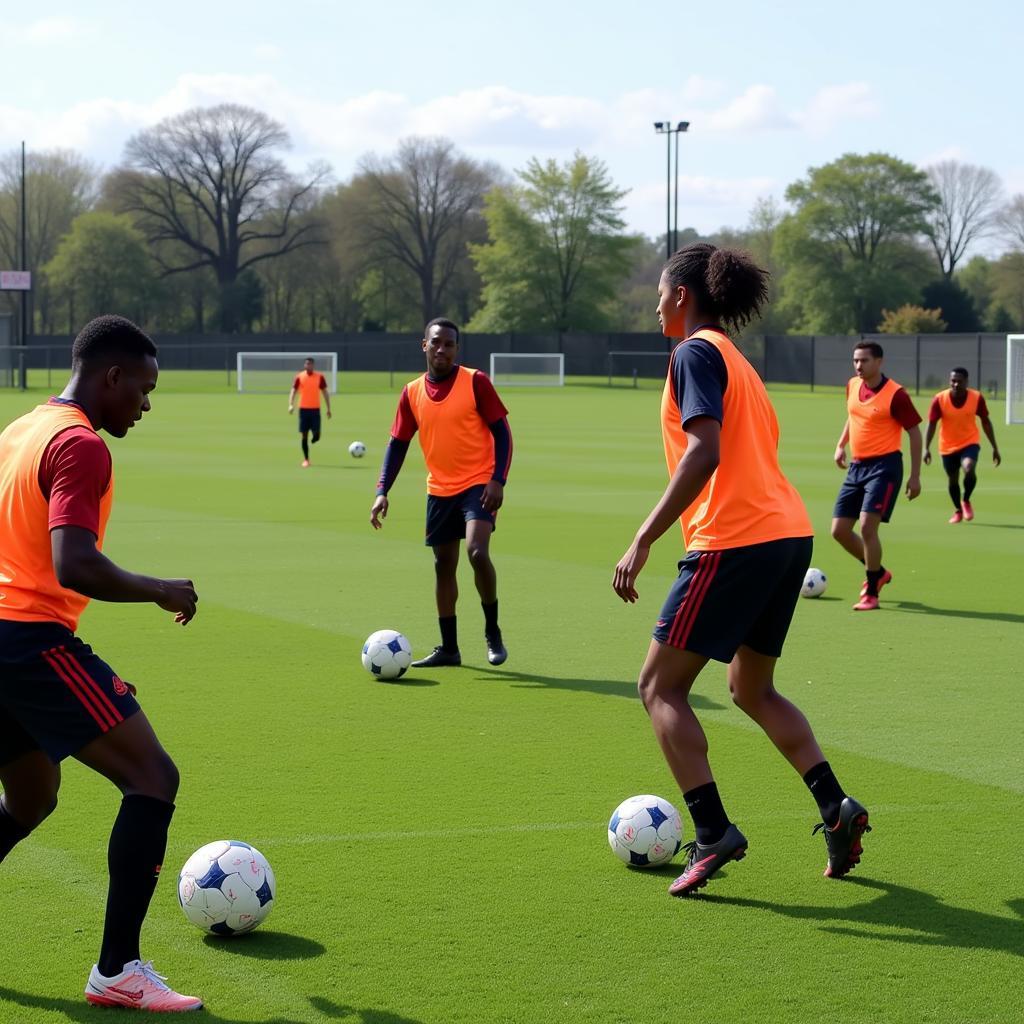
539	369
273	371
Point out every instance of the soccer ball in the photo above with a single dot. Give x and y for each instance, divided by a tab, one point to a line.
357	449
815	583
226	887
386	654
645	831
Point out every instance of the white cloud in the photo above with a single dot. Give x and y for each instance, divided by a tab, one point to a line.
834	104
47	30
757	109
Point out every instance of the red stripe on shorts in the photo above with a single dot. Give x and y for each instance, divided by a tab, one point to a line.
104	702
84	687
682	624
75	689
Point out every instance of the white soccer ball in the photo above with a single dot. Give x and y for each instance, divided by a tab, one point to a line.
386	654
815	583
357	449
227	887
644	831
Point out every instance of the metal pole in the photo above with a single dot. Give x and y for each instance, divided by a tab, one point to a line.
24	266
668	194
675	219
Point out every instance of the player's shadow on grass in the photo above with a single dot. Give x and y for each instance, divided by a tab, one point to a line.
956	613
267	945
605	687
997	526
80	1011
924	919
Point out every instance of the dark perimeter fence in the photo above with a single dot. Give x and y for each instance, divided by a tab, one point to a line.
919	362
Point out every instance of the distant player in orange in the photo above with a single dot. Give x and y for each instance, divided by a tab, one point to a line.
878	411
59	699
956	412
467	446
748	544
309	386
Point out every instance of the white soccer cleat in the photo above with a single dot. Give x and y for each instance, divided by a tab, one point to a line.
138	987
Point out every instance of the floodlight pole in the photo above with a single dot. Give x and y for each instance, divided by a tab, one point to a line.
23	371
671	226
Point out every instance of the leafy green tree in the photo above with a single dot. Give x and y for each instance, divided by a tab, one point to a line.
1008	286
955	302
103	266
851	245
975	277
556	254
912	320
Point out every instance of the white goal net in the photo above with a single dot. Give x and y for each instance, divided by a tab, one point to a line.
1015	378
536	368
276	371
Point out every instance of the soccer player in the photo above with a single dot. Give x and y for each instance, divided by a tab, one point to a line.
878	411
955	412
58	698
309	385
467	446
748	544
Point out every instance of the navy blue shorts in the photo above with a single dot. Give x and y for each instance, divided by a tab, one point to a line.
309	421
724	600
55	694
951	462
871	485
447	517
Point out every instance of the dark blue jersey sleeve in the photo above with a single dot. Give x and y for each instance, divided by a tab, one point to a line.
699	379
394	456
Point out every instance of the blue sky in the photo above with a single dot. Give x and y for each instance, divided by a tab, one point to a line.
770	89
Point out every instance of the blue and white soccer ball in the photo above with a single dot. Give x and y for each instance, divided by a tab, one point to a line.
386	654
357	449
645	831
815	583
227	887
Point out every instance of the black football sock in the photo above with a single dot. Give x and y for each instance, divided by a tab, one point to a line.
11	832
709	818
491	618
449	633
315	438
874	575
954	493
135	855
827	792
305	448
970	482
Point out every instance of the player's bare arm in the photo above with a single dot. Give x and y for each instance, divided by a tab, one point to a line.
986	425
928	442
913	488
703	435
291	400
81	567
844	437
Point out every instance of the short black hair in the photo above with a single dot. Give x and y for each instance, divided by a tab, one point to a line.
872	346
309	359
108	337
440	321
961	370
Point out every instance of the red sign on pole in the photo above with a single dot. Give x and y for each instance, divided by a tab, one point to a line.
15	280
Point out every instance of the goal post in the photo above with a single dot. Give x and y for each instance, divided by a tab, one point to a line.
636	369
276	371
1015	378
543	369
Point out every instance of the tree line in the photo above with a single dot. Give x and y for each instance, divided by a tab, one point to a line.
202	227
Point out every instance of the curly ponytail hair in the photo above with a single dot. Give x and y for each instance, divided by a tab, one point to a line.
727	283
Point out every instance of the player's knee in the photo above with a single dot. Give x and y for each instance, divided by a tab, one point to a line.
31	810
478	554
840	529
445	565
162	778
315	437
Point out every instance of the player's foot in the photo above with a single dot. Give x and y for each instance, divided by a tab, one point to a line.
968	510
704	861
438	658
496	653
886	577
956	517
842	840
139	987
868	603
305	463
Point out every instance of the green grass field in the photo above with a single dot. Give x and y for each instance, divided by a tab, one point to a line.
439	842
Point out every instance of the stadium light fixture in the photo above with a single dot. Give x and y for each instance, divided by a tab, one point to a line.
671	225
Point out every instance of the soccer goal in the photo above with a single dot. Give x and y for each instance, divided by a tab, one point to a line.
637	369
1015	378
536	368
276	371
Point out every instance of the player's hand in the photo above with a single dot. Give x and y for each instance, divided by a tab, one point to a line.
996	457
927	460
179	596
627	571
913	487
291	409
493	496
379	511
328	413
840	456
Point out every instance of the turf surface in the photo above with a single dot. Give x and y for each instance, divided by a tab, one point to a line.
439	842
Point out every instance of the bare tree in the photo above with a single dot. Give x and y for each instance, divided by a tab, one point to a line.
423	206
969	199
210	190
1011	221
